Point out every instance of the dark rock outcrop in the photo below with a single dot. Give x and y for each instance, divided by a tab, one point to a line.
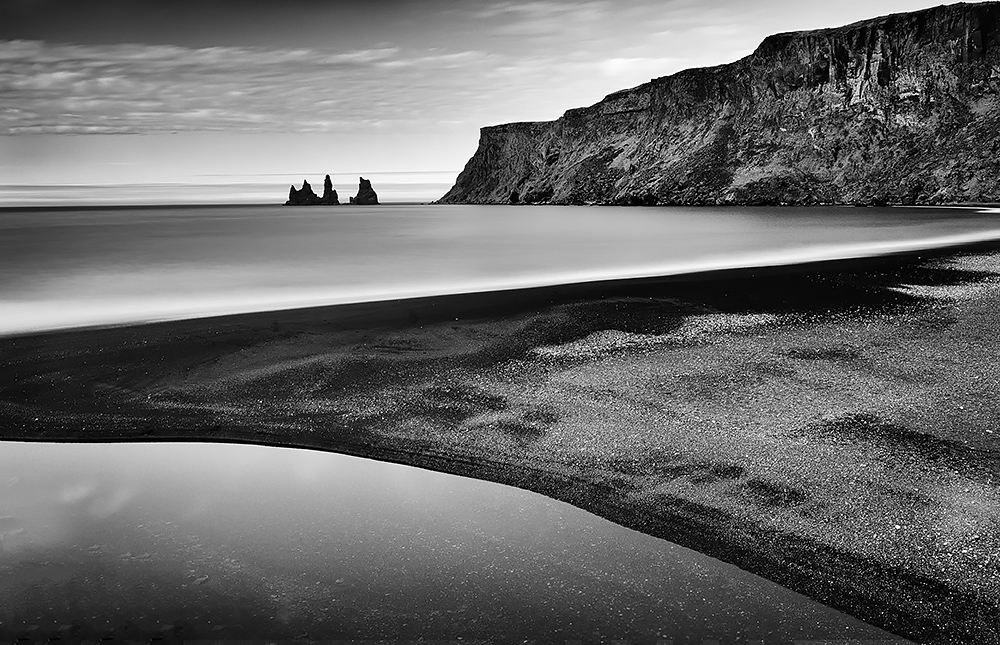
366	194
902	109
303	196
306	197
329	194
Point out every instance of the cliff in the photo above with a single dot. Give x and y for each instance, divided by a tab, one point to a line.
899	109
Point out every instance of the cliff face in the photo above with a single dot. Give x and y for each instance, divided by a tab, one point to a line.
899	109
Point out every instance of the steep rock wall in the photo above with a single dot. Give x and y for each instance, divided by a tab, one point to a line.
898	109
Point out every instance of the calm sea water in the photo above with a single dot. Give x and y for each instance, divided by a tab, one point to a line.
210	541
67	268
403	187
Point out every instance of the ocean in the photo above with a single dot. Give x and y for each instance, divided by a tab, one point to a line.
73	267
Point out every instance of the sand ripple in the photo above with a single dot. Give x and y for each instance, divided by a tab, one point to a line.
694	329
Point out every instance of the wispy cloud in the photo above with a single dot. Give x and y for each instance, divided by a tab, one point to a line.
136	88
87	89
534	60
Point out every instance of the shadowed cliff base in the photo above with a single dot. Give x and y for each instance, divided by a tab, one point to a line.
831	426
902	109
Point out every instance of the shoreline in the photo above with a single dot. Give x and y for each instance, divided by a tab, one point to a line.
732	412
508	299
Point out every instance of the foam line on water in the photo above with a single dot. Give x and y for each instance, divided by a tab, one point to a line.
19	317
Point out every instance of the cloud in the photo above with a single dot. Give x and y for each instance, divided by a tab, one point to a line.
149	88
540	9
87	89
529	61
647	67
560	22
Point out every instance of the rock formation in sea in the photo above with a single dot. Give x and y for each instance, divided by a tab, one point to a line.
303	196
366	194
902	109
306	197
329	194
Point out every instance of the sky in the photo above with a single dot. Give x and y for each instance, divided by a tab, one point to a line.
106	92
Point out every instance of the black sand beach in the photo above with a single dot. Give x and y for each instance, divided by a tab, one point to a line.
832	427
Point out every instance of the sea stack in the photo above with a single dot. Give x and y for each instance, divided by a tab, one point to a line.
306	197
329	194
303	196
366	194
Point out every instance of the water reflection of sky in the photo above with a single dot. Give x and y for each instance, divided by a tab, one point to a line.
245	541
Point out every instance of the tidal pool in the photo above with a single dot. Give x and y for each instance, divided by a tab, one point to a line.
214	541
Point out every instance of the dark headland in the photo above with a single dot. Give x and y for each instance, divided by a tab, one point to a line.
902	109
306	197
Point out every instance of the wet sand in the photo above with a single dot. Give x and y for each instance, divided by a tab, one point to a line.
834	427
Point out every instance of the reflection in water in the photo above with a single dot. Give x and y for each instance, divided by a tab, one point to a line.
226	541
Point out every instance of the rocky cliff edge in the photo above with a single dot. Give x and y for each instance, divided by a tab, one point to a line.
902	109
